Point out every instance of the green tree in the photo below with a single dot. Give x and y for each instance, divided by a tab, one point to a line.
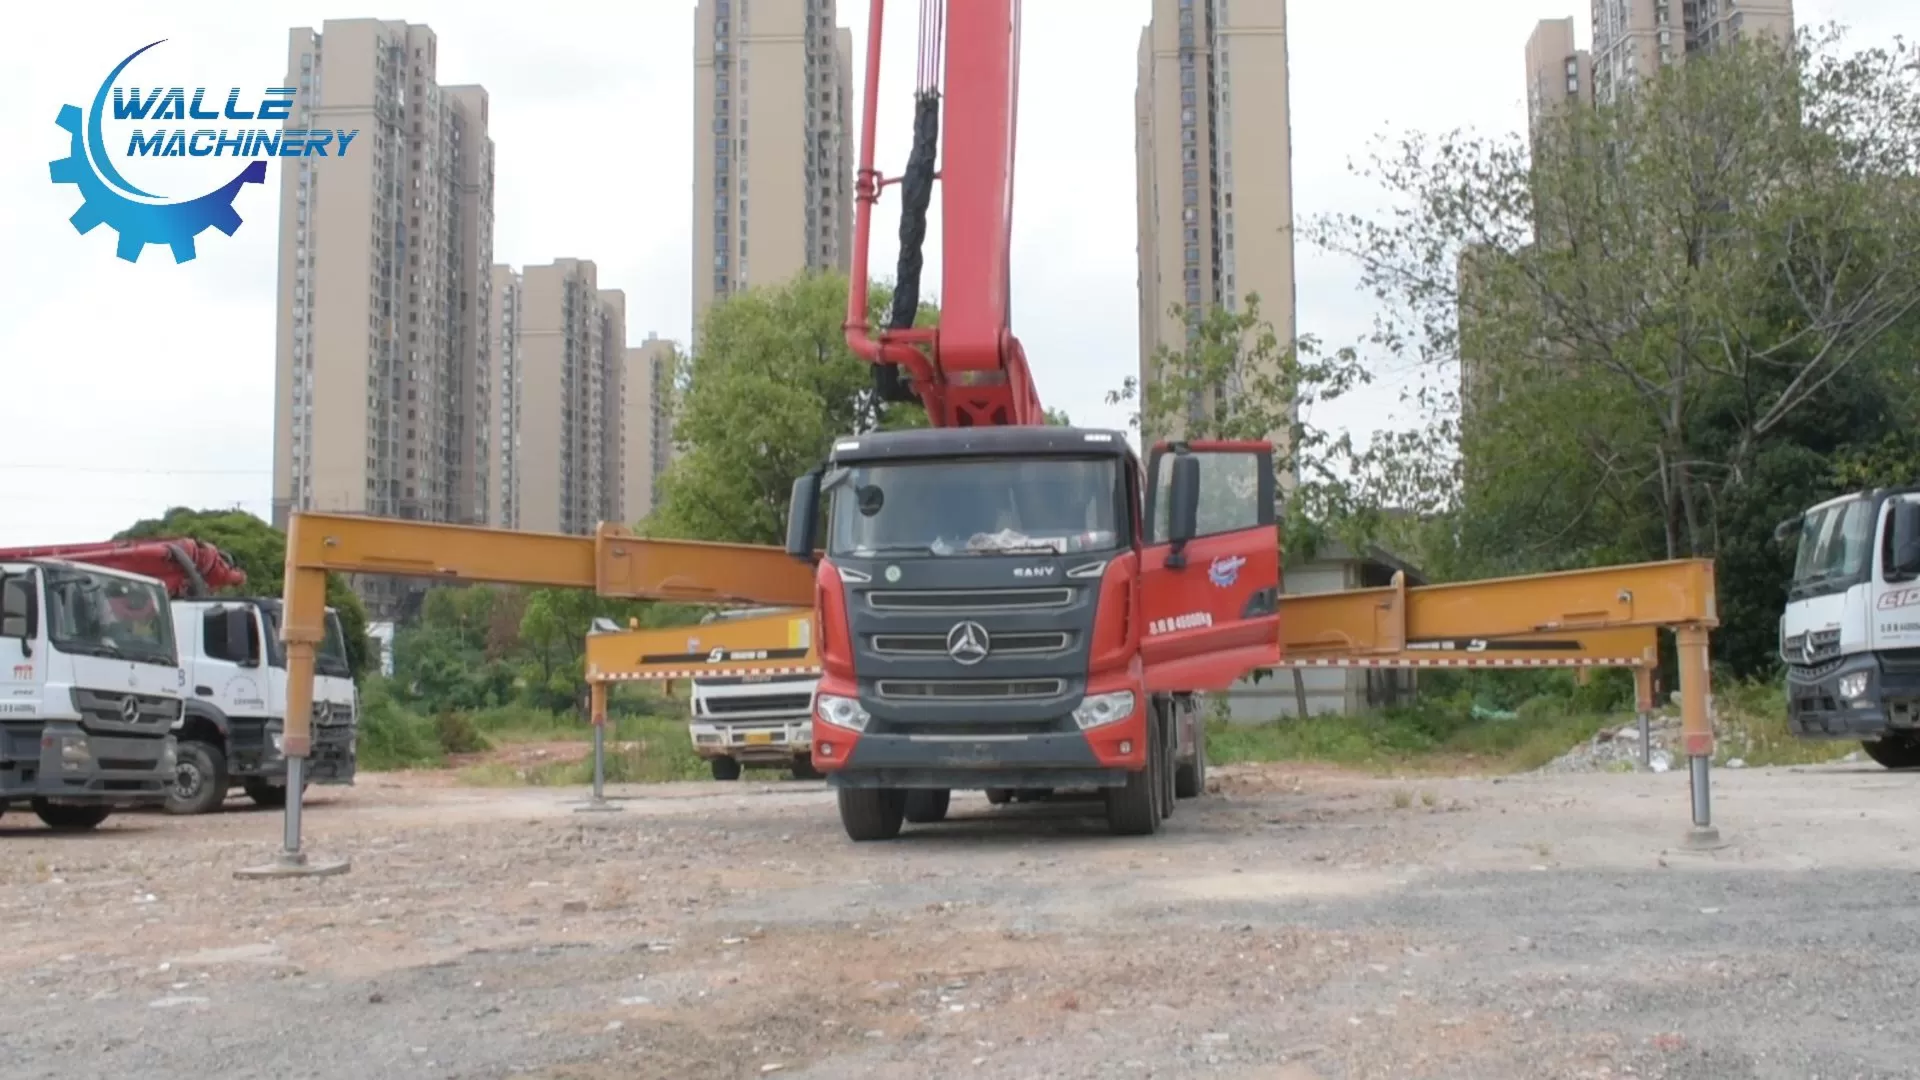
771	388
260	551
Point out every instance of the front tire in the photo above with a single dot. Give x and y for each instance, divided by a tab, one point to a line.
924	806
872	813
70	818
268	796
1894	751
200	779
999	796
725	768
1133	809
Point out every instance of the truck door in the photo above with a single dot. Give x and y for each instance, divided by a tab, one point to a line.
1210	612
20	661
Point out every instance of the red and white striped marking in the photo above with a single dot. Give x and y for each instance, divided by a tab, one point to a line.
1409	662
698	673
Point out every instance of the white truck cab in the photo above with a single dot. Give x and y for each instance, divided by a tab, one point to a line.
1850	634
764	720
236	705
90	686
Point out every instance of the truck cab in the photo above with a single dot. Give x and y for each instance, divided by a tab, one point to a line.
236	705
762	720
1850	634
90	687
1020	608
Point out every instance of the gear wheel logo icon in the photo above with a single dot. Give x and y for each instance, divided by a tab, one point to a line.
139	223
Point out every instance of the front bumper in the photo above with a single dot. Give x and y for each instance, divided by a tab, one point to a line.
958	762
1890	703
765	740
332	759
58	760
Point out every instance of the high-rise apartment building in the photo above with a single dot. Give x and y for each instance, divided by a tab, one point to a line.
503	310
772	105
381	355
1214	169
649	376
1558	74
563	364
1633	39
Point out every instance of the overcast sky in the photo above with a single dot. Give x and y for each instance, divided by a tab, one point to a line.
129	388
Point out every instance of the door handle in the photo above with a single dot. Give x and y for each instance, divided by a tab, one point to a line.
203	691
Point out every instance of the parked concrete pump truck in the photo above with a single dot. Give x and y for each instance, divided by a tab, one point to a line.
90	689
1850	634
759	720
233	675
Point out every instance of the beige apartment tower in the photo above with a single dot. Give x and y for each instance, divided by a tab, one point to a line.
1633	39
1558	74
648	401
772	144
1214	170
562	349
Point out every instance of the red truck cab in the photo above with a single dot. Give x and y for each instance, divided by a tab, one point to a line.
1027	607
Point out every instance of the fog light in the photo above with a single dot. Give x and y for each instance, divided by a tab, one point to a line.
1126	746
1854	685
825	749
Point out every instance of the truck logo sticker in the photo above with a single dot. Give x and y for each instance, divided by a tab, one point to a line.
968	643
1033	571
23	671
720	654
893	574
1475	645
1192	620
1225	570
1898	598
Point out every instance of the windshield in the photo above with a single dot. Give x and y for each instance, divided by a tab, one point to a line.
329	659
976	507
1836	544
95	614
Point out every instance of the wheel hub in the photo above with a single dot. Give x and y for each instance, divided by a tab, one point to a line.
186	780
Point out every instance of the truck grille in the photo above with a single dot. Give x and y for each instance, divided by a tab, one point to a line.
968	599
969	689
105	710
1010	644
1825	646
730	706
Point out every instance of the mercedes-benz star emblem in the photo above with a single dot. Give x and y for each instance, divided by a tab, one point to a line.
130	709
967	643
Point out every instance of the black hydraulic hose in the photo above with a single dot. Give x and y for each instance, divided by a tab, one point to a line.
916	194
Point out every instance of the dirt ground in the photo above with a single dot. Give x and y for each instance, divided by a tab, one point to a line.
1294	924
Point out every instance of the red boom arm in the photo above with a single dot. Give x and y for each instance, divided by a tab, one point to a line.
971	370
188	567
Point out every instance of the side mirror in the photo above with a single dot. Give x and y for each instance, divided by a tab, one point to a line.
803	516
1905	547
1183	510
240	639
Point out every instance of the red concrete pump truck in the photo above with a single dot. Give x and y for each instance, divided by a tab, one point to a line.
1004	604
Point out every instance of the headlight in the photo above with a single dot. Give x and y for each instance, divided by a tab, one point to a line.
74	755
1854	685
1103	709
277	736
842	712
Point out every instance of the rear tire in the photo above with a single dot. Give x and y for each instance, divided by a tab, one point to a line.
725	768
872	813
803	768
1190	780
1894	752
200	780
71	818
1133	809
924	806
999	796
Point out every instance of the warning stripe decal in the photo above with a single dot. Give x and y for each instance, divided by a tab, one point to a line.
1595	661
702	673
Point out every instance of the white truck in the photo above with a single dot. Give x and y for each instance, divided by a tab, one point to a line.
236	705
1850	634
762	720
90	686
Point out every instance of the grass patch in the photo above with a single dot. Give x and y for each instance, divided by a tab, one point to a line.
1440	736
640	750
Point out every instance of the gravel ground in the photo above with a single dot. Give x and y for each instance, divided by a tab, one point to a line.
1294	924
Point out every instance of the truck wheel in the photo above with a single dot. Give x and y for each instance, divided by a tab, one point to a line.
999	796
1133	809
1190	779
803	768
1894	752
70	818
268	796
872	813
924	806
725	768
200	779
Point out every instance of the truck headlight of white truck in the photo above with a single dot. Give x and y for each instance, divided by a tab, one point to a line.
1853	687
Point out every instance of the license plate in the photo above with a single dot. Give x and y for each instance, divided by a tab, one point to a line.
759	738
